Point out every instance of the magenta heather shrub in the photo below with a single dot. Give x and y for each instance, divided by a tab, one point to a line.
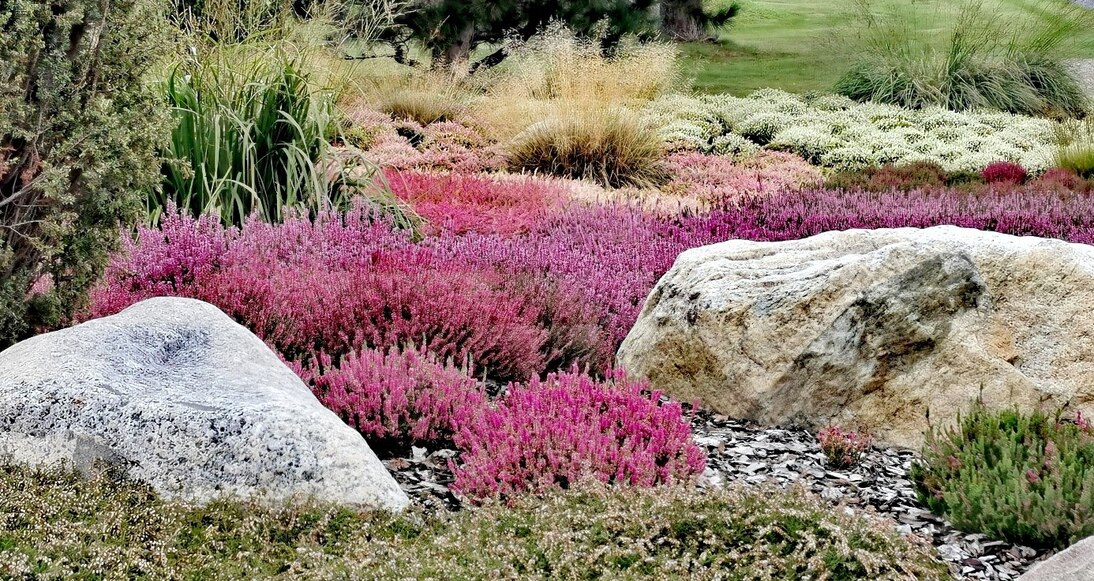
568	427
340	284
1003	172
790	216
598	265
461	203
715	178
398	399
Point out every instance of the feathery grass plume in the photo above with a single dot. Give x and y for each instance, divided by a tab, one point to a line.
613	147
980	61
558	69
422	97
1075	147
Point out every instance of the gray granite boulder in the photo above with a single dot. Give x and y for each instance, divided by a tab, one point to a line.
1076	563
178	395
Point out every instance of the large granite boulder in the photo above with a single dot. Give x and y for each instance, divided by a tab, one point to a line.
180	396
872	328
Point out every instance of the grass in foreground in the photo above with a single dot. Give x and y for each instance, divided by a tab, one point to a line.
55	524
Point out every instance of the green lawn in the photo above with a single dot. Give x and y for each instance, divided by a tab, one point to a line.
803	45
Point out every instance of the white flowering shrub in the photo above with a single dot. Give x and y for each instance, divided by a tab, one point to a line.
836	132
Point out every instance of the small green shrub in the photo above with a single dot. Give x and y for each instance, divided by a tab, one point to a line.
78	137
57	524
1027	479
612	147
249	133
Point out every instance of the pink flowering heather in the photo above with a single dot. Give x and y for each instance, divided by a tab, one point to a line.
843	448
795	215
1061	180
339	284
724	179
1003	172
398	399
460	203
558	431
441	146
597	265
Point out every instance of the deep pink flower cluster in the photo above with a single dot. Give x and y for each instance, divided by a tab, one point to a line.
461	203
723	179
1003	172
555	432
397	399
564	294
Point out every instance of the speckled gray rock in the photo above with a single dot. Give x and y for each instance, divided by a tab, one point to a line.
872	328
1076	563
180	396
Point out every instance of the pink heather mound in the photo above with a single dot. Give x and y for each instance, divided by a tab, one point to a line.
555	432
1003	172
715	179
460	203
398	399
440	146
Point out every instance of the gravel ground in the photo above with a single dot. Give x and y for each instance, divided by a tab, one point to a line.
1084	69
1085	3
741	452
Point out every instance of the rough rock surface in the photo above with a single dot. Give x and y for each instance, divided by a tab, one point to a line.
872	329
180	396
1075	563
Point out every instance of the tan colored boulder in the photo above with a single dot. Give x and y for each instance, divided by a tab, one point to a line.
1075	563
872	328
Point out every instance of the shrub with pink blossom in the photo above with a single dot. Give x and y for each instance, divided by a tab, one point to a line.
338	284
794	215
461	203
397	399
440	146
843	448
1061	180
1004	172
597	265
726	179
555	432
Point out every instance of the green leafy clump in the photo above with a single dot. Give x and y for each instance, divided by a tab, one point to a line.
78	135
1027	479
54	523
251	135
